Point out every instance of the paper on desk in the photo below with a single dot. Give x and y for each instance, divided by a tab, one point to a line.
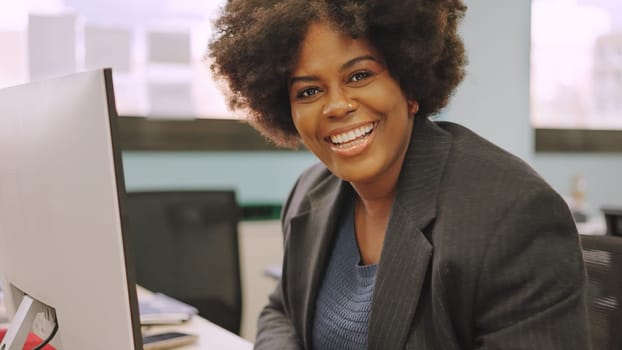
159	308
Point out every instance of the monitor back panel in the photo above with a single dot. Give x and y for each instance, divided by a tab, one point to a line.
60	228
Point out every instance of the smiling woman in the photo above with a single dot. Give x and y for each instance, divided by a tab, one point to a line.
409	233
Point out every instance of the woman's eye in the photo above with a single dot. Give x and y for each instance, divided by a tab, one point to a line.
307	92
358	76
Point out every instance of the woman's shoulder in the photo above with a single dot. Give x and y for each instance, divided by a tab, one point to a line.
487	192
485	160
483	172
315	179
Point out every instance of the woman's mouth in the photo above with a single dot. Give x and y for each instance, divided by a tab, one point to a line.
352	140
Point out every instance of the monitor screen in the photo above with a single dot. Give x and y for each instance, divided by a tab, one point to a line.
61	192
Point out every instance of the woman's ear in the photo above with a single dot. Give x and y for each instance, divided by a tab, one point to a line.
413	107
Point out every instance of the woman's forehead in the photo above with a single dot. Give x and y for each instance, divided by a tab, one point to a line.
324	43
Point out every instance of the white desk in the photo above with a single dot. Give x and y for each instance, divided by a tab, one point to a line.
210	335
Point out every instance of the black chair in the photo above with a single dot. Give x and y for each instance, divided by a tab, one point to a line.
613	219
185	245
603	261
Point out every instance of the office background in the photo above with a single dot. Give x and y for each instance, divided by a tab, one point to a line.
493	101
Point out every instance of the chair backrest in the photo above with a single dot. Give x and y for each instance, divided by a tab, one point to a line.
603	261
613	220
185	245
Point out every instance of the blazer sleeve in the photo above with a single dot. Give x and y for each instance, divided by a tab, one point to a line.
532	284
274	328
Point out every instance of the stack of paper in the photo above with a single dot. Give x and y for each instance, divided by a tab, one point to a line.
158	308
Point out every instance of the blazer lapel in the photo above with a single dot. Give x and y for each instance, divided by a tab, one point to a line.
314	233
406	252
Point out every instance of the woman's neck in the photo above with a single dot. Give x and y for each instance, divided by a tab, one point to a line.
371	218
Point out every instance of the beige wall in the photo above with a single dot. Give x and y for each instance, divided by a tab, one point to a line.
261	245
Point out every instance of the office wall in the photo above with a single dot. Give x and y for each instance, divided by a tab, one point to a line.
493	100
602	174
257	177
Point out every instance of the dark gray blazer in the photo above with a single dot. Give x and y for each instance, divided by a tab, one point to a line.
480	253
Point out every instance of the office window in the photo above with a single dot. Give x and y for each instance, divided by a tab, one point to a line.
155	47
576	71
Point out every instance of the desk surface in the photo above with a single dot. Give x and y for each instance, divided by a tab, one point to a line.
210	335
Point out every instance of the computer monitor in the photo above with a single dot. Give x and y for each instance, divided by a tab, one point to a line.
61	195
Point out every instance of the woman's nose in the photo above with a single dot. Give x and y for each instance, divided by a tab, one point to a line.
338	106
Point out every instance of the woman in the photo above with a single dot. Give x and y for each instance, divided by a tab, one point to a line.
410	233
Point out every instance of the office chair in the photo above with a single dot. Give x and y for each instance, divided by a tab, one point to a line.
185	245
613	219
603	261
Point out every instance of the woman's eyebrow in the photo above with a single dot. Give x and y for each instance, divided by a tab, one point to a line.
345	66
356	60
305	78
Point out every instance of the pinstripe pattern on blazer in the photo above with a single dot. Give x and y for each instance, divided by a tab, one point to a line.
480	253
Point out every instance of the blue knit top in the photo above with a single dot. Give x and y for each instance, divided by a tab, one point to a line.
344	299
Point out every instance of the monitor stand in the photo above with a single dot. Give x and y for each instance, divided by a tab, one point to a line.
23	322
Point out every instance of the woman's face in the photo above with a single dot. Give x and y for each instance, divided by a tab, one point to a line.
348	109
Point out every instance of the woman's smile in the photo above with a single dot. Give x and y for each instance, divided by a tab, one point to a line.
353	141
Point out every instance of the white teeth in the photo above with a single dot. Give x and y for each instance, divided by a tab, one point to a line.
352	134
